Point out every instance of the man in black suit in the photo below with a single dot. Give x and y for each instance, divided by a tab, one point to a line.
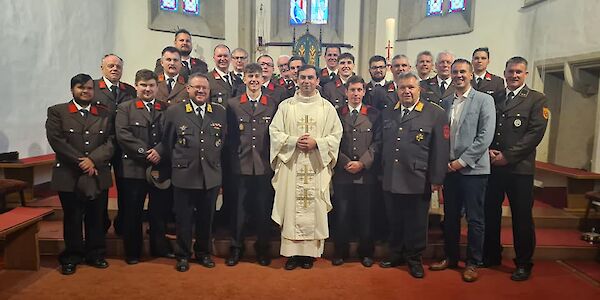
189	65
194	136
249	116
354	176
521	120
483	80
439	87
139	130
415	155
81	133
239	58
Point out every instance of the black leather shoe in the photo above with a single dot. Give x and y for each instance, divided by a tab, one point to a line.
292	263
234	258
521	274
367	262
264	261
99	263
337	261
182	265
206	261
68	269
416	270
132	261
307	262
390	263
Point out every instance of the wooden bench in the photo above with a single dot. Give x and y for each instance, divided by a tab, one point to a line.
19	229
24	170
577	182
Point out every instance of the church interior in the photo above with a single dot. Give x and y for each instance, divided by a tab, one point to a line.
47	42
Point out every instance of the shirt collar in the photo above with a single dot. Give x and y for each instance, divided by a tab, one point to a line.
482	77
448	81
79	107
402	107
151	102
464	95
251	99
195	106
357	108
174	77
515	92
378	83
109	84
221	73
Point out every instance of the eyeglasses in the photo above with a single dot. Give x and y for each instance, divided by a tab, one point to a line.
377	67
266	64
239	57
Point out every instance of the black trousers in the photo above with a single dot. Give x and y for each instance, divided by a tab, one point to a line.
466	191
519	189
194	207
255	198
380	229
78	213
131	213
408	216
353	206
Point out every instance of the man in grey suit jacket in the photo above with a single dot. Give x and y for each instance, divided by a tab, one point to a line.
472	118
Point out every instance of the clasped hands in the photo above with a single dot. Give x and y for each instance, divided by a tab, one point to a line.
497	158
306	143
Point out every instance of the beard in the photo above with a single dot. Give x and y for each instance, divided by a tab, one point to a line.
377	78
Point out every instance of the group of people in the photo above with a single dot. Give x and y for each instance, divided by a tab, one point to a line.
292	147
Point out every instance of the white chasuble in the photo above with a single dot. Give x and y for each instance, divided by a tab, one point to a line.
302	179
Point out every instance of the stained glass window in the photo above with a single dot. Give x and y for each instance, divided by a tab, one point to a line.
191	7
434	7
319	11
298	12
457	5
170	5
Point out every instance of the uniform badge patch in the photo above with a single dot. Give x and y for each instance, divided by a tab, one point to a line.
546	113
241	127
188	108
517	123
419	137
446	132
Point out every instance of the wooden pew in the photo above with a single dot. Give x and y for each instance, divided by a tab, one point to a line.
577	182
19	229
24	170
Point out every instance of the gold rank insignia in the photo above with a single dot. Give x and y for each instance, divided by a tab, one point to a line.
546	113
188	108
419	106
397	105
208	107
241	127
419	137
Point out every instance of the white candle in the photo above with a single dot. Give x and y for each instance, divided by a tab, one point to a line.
390	31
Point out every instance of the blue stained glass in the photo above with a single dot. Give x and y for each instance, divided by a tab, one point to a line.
298	9
434	7
191	7
319	11
170	5
457	5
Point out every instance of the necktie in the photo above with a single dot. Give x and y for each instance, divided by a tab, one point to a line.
354	115
150	109
254	103
443	87
405	113
113	91
226	78
199	110
186	65
509	97
84	113
170	84
478	82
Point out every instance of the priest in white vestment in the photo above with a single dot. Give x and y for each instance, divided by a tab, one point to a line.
305	138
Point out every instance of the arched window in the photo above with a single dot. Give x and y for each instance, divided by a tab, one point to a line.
300	13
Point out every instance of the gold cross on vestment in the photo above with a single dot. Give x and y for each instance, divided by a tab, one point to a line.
305	174
307	123
305	197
